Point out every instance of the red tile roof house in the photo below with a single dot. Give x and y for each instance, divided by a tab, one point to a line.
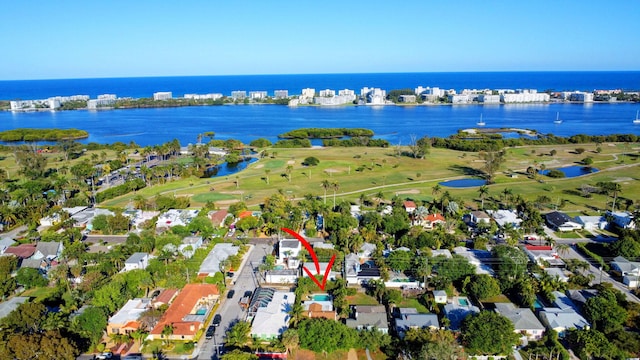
409	206
22	251
188	312
164	298
217	218
429	221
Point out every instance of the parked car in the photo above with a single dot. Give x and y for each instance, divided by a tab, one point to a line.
230	294
104	355
211	330
216	320
248	293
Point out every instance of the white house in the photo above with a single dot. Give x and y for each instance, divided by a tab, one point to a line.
270	321
622	219
504	217
591	222
281	276
175	217
478	217
626	267
440	296
218	254
139	260
289	249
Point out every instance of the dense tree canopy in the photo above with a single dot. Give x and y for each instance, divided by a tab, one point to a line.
488	333
323	335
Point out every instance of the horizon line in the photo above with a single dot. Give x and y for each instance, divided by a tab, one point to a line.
332	73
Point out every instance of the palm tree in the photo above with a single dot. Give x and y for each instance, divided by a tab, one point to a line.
335	187
325	185
296	313
288	171
266	173
437	189
167	331
483	191
290	339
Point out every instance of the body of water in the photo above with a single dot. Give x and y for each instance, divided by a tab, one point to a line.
572	171
394	123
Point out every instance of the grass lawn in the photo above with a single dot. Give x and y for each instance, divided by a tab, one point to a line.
361	299
39	293
567	234
413	303
373	171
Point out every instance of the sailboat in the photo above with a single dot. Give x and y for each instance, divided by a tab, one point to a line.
557	120
637	119
481	123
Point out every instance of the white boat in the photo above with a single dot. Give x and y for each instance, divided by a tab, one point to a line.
637	119
557	120
481	123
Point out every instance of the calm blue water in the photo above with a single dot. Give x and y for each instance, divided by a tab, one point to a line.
464	183
572	171
393	123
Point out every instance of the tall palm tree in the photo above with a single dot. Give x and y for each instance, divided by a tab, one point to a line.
288	171
335	187
436	189
266	173
483	191
325	185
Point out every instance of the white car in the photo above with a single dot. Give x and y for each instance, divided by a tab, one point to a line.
104	356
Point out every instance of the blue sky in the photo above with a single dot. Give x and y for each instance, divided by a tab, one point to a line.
114	38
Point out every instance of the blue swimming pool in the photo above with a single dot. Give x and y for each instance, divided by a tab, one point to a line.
463	302
321	297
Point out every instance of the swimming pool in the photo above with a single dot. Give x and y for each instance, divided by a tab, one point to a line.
463	302
321	297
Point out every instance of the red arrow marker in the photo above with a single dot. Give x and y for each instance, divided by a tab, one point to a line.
309	248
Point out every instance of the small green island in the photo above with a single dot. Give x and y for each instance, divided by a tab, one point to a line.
326	133
15	135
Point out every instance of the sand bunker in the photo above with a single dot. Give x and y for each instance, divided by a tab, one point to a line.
410	191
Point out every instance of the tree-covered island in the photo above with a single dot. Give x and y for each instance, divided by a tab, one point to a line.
325	133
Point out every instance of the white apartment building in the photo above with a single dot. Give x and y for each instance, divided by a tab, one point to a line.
213	96
525	96
460	98
162	95
327	93
373	96
258	95
581	96
281	94
347	92
238	94
308	93
489	99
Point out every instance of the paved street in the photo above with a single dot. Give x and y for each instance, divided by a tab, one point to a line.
230	309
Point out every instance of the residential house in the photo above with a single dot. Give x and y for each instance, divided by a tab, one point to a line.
475	258
409	206
22	251
592	222
630	271
409	318
457	309
139	217
173	217
46	255
544	256
188	312
84	218
622	219
504	217
125	320
271	318
218	217
5	244
430	221
165	297
360	273
189	245
368	317
288	251
366	251
479	217
563	315
440	296
220	252
320	308
524	320
580	297
557	273
559	221
139	260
